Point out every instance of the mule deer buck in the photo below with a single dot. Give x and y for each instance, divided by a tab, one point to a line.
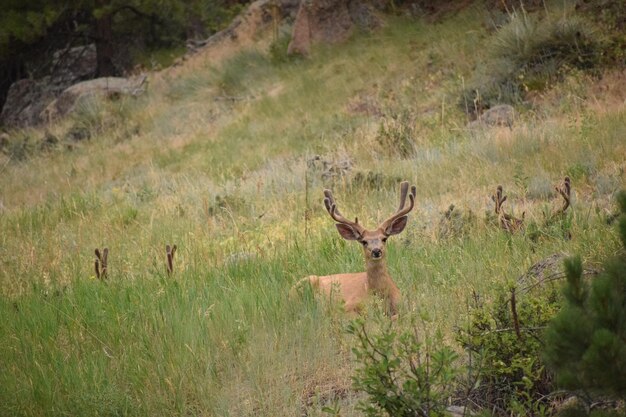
506	221
354	288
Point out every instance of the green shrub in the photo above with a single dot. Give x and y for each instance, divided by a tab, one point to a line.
531	54
401	374
278	49
504	344
396	135
585	343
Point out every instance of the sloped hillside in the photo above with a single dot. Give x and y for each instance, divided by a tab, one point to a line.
227	157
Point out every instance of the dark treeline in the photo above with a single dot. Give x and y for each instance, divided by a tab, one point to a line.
30	31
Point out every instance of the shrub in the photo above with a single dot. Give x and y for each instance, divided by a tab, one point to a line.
278	49
18	148
396	135
529	54
503	340
585	341
401	374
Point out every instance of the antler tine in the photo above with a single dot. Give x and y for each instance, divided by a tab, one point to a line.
404	189
565	192
498	198
402	210
331	207
97	263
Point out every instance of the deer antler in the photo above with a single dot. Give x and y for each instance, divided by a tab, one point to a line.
565	192
101	262
507	222
402	211
331	206
498	198
170	251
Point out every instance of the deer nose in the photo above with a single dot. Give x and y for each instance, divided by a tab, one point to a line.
377	253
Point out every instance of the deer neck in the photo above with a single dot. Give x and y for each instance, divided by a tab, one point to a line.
377	275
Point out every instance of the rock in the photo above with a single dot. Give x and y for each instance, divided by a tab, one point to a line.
25	101
74	64
500	115
329	21
106	86
549	267
27	98
458	411
256	18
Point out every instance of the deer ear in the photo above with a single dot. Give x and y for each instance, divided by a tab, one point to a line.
347	232
397	226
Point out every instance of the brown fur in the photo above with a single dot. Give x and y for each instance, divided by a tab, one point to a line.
354	288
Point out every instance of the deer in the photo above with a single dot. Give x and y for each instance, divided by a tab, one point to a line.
507	222
354	288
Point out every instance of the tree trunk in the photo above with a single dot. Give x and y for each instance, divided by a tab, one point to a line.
104	46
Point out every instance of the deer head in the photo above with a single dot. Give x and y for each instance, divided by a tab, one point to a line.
373	241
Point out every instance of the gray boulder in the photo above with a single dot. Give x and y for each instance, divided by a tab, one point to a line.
27	98
500	115
106	87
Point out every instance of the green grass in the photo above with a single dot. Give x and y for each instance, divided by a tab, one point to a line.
228	182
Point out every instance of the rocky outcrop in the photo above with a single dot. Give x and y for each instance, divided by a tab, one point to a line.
73	65
106	86
245	29
25	101
330	21
27	98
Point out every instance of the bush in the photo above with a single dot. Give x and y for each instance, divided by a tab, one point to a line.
585	343
504	344
402	375
278	49
396	135
529	54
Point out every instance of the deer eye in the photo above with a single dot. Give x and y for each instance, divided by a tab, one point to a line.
384	239
364	242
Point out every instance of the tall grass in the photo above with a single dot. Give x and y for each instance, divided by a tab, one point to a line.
228	182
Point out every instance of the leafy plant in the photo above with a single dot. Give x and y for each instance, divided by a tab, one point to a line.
401	374
504	341
585	341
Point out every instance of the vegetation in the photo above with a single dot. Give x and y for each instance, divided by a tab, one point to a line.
504	340
125	33
402	374
214	158
529	54
585	342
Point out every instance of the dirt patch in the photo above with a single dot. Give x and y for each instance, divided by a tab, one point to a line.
609	93
603	95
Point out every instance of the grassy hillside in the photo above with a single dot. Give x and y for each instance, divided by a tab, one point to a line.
219	158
